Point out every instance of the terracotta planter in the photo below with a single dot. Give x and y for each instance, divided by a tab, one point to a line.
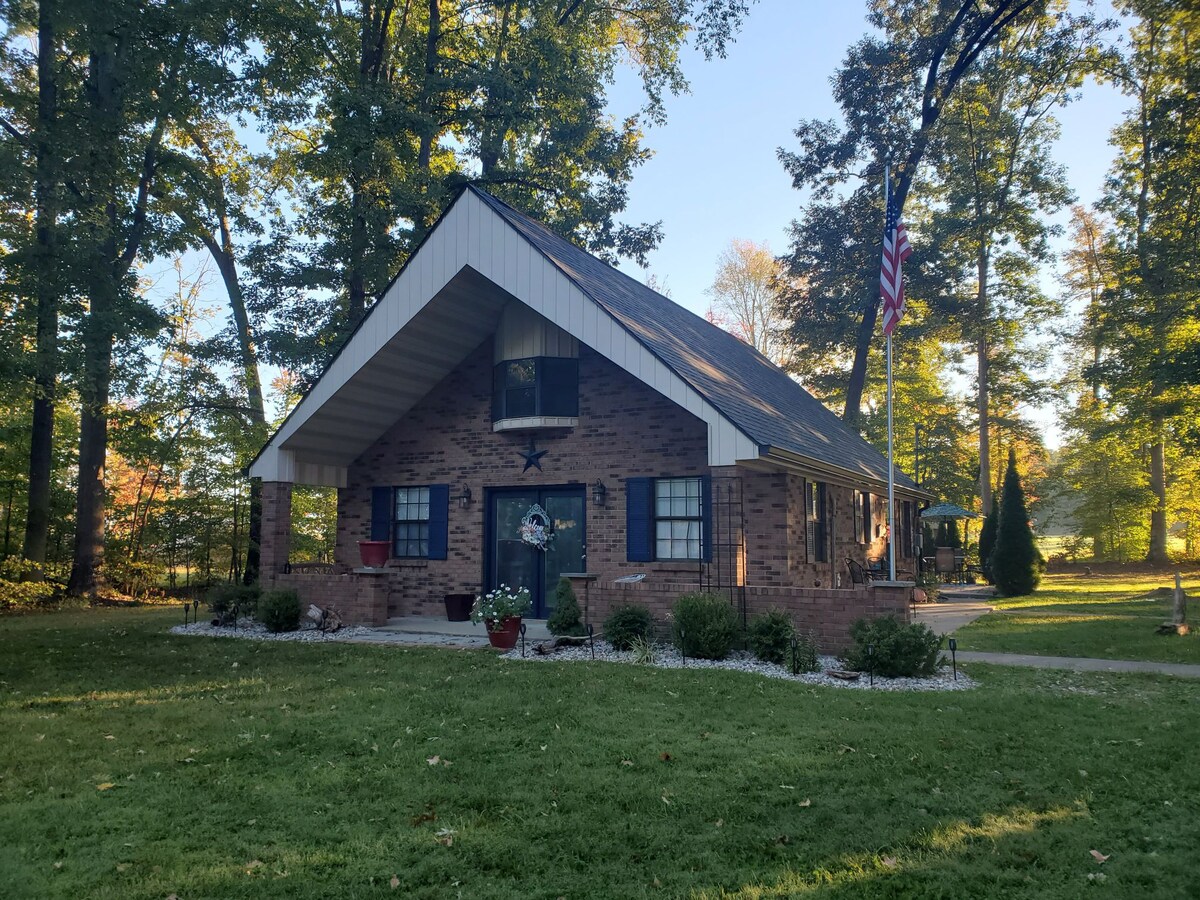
506	637
374	553
458	607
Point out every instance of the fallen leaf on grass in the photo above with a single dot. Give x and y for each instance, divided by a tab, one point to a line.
428	816
665	757
253	864
121	867
806	802
395	882
433	760
846	748
788	787
627	762
58	865
105	786
1099	857
445	836
890	861
719	822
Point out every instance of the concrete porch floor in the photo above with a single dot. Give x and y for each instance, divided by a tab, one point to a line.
535	629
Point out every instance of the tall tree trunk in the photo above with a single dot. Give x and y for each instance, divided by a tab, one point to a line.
1158	484
41	445
982	400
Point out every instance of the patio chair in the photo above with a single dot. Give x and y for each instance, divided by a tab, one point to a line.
858	575
944	564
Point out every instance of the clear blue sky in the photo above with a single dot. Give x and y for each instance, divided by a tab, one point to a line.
714	175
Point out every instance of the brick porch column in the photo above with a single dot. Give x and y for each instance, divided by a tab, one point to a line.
276	527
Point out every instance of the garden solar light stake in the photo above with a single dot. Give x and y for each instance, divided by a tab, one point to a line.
954	657
592	639
522	640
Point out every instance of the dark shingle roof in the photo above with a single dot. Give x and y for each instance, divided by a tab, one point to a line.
749	390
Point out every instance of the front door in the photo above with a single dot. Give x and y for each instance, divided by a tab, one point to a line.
513	561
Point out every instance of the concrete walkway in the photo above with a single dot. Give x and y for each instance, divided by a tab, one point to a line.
1081	664
957	606
429	631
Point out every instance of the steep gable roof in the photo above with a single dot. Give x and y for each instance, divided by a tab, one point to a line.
746	387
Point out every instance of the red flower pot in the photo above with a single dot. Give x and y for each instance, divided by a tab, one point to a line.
506	637
374	553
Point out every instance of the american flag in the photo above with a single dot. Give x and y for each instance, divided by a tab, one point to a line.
896	249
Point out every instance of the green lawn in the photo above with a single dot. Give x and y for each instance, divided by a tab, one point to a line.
1102	616
138	764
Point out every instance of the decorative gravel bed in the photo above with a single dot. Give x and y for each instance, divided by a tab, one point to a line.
248	629
666	657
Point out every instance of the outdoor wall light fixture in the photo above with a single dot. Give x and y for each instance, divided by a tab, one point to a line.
464	499
599	493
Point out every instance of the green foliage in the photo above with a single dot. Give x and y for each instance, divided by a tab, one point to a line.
987	540
771	635
279	610
1016	562
628	623
644	652
808	658
18	594
500	604
900	651
705	625
567	618
225	599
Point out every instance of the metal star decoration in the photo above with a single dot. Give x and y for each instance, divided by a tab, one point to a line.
533	457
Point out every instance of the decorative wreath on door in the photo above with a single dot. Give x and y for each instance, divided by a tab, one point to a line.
535	528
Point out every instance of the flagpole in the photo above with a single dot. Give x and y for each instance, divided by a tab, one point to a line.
891	509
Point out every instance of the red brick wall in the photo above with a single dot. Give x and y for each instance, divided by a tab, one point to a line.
625	429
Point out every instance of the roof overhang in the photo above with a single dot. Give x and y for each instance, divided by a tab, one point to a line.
803	465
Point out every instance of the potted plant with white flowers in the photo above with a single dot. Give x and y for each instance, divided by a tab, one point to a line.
501	611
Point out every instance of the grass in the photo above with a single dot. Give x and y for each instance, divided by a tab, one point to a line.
1100	616
138	764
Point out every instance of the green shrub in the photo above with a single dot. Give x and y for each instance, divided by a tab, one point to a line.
627	623
280	610
225	597
566	618
808	659
771	636
1016	562
901	651
17	594
706	626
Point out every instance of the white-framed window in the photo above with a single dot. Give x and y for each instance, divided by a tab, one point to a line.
678	518
410	527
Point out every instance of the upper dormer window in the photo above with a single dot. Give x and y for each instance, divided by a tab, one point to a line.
541	386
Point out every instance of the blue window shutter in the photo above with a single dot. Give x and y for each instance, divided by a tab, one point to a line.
706	518
381	514
639	519
439	520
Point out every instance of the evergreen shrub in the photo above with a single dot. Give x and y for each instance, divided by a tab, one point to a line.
705	626
901	651
1016	561
771	636
280	610
567	618
627	623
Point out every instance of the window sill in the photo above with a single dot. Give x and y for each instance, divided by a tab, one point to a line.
526	423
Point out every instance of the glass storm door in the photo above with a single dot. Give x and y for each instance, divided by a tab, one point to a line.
513	562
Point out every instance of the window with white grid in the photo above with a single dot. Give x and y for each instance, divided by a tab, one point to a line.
677	518
411	526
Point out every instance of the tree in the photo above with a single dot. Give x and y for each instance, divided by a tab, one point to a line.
892	91
987	542
744	293
1015	560
1149	318
995	187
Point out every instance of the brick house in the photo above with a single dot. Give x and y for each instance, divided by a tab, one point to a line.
506	377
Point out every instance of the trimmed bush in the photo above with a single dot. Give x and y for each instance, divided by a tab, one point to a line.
626	623
567	617
225	597
901	651
1016	562
771	636
280	610
705	626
